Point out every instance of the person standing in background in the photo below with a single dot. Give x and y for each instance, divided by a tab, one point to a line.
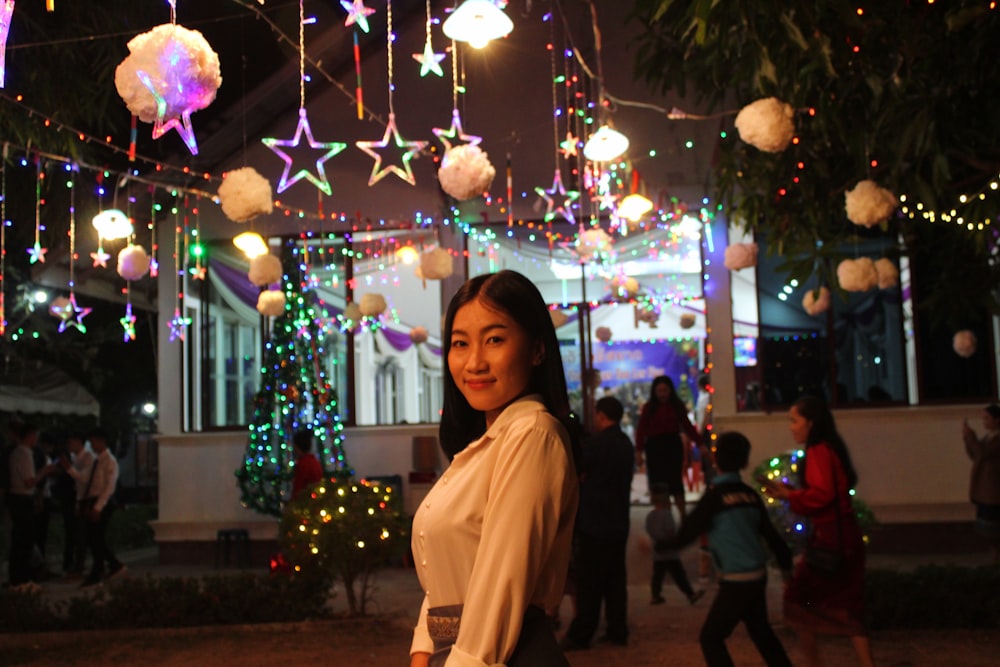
307	471
659	442
96	509
24	477
984	480
602	526
77	464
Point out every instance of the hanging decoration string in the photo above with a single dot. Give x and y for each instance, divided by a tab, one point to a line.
3	237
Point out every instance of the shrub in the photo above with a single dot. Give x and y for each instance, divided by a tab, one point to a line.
933	596
343	528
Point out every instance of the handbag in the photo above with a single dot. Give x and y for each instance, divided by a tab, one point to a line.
828	561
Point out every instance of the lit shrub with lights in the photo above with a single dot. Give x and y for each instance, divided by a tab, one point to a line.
787	468
346	529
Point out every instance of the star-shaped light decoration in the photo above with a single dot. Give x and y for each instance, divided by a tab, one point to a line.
178	326
162	124
37	253
75	318
6	10
128	323
405	172
558	200
197	272
429	61
357	13
455	133
100	258
569	146
329	148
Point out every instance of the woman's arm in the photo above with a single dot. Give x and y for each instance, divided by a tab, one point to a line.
819	491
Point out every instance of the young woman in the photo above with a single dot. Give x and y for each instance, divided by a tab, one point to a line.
492	539
984	480
816	601
658	439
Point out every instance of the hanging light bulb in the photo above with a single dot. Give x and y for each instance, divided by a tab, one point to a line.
477	22
605	145
633	207
112	224
407	254
251	244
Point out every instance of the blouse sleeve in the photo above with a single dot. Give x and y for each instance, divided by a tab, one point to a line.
422	642
819	491
531	499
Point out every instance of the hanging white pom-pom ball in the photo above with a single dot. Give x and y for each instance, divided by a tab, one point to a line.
352	312
436	264
245	194
687	320
61	308
603	334
625	287
265	270
868	205
372	304
465	172
593	242
816	301
740	256
767	124
133	262
857	275
418	335
964	343
271	303
888	274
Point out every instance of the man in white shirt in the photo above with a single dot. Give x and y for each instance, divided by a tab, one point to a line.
96	508
21	504
77	466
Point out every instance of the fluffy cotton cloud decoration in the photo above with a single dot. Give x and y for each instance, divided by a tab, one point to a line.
964	343
767	124
245	194
372	304
180	64
888	274
868	205
271	303
559	318
435	264
740	256
624	286
816	301
466	172
265	270
687	320
592	242
603	334
857	275
133	262
418	335
61	307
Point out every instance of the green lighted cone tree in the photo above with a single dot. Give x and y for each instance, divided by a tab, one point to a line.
294	395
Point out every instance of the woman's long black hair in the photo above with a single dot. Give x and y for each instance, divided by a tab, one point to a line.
825	430
517	297
674	401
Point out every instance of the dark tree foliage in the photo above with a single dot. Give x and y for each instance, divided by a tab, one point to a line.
898	92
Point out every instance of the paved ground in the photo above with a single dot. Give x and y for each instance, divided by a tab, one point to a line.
661	635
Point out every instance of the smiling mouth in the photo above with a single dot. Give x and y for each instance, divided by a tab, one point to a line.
478	384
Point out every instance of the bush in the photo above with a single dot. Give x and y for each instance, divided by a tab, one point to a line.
933	597
167	602
343	528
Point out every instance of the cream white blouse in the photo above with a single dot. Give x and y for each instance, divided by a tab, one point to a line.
495	533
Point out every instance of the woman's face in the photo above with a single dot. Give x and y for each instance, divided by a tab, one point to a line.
662	392
799	426
491	358
990	423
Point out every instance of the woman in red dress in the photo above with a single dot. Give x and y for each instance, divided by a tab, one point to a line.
658	439
819	602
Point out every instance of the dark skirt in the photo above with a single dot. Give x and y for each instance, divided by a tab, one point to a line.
664	460
536	645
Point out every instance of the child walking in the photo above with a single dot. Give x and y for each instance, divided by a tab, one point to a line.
734	517
661	527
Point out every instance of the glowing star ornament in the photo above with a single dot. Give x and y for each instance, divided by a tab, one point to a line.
357	13
100	258
569	147
429	61
128	324
178	326
163	123
455	133
75	318
558	200
329	149
37	253
412	148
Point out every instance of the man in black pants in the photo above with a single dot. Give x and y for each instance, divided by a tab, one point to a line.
96	507
602	525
